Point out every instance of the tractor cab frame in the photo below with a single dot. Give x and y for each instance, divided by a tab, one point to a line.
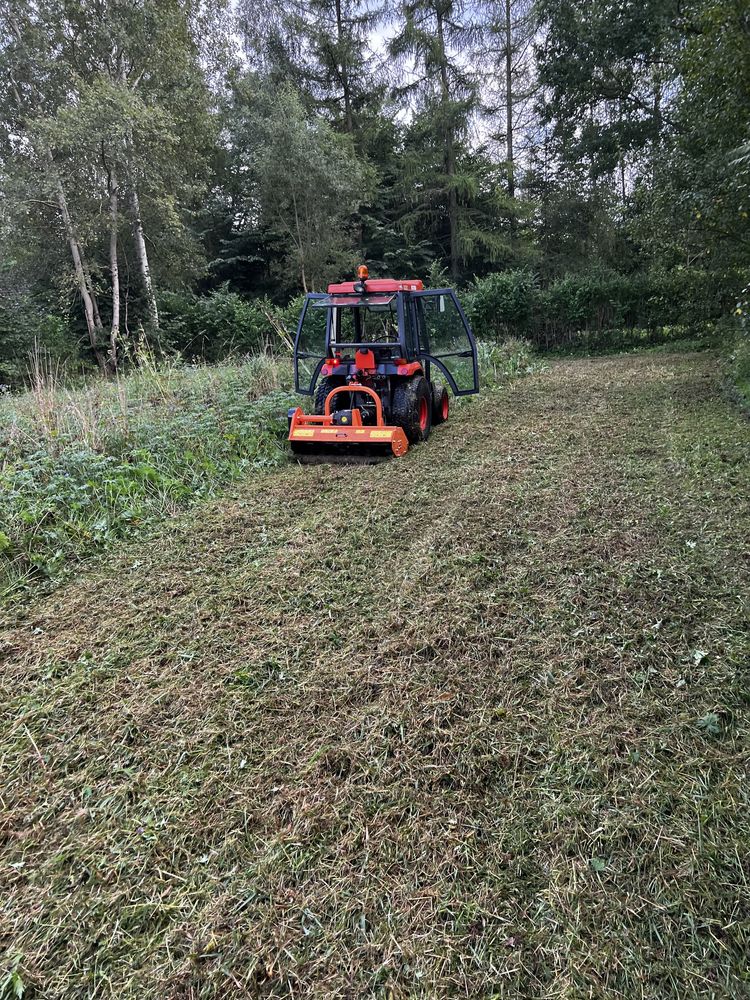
400	323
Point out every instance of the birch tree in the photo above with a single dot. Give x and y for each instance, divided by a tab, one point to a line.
111	100
35	86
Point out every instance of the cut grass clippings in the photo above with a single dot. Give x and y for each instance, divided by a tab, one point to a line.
470	723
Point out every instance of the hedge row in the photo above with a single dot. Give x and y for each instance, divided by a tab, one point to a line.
589	308
594	310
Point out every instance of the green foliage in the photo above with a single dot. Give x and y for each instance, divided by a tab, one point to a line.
707	177
215	326
625	207
432	45
501	361
83	469
27	325
609	61
737	345
502	304
710	724
106	138
323	48
25	329
739	361
12	986
224	324
307	208
600	309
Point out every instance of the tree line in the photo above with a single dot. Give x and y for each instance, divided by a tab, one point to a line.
155	151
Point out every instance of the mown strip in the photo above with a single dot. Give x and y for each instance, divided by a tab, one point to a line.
472	723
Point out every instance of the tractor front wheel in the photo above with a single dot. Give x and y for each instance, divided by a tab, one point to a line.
440	404
412	408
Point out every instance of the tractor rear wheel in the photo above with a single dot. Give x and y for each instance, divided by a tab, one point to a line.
412	408
324	387
439	404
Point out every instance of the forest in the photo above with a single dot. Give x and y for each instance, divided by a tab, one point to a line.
175	173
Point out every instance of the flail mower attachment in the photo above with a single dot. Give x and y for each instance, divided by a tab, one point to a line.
342	434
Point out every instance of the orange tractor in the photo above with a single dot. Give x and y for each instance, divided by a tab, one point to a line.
367	352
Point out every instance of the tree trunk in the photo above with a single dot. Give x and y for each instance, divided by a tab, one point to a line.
450	151
300	245
93	321
83	277
343	71
348	115
509	101
114	332
656	142
509	118
142	255
453	211
90	283
621	164
90	311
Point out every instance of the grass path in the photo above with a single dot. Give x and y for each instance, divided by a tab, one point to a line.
473	723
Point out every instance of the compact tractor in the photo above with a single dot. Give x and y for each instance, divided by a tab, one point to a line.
367	352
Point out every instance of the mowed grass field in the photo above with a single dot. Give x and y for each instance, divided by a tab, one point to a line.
473	723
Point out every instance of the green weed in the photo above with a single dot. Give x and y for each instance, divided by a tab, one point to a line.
80	469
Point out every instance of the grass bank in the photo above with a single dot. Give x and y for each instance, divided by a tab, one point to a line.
472	723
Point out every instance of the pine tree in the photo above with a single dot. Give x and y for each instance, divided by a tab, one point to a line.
510	85
432	46
322	48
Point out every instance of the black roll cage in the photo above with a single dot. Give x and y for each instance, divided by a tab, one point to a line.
412	335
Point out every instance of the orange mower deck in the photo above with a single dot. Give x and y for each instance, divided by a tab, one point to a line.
343	434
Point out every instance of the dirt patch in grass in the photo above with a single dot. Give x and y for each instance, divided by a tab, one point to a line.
472	723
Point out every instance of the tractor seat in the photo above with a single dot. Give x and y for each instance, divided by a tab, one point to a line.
385	352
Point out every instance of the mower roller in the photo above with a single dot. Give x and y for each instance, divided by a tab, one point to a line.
367	351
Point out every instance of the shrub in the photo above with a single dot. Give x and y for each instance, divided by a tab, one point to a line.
23	330
501	361
501	305
736	334
740	361
215	326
